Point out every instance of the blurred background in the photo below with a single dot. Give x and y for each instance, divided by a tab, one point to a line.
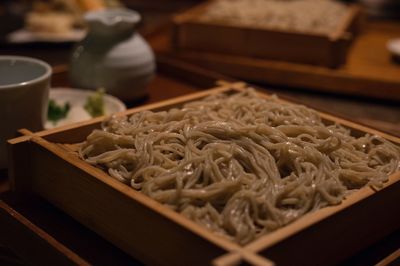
13	12
365	89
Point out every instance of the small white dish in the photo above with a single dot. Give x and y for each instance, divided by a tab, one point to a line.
27	36
77	99
393	46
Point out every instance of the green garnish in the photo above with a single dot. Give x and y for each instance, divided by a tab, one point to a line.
95	103
56	112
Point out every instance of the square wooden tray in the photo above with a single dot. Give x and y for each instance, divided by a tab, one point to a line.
153	233
193	34
369	71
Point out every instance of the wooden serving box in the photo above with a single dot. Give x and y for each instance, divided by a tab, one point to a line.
46	163
193	34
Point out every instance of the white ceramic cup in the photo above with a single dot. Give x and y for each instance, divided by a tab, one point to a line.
24	92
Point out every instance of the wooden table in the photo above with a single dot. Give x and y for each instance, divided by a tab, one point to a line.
33	231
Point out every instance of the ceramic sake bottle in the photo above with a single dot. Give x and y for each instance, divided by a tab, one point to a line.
113	55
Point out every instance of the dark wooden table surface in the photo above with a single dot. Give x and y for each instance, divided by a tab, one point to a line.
38	218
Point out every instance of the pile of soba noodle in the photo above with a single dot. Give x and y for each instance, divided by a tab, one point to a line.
312	16
240	165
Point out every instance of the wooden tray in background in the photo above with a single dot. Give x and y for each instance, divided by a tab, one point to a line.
369	71
330	50
155	234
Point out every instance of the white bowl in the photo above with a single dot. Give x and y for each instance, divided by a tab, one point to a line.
77	99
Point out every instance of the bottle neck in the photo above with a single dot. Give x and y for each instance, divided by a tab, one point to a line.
100	41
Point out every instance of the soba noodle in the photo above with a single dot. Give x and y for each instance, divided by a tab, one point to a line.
240	165
311	16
